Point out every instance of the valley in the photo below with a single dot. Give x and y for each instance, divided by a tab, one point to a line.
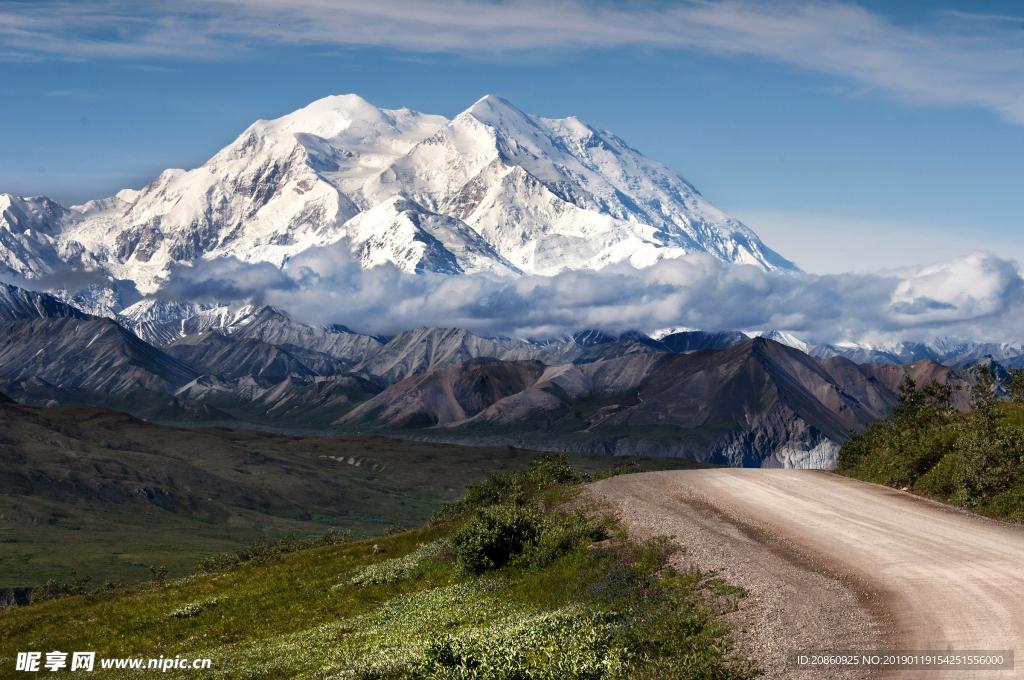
110	495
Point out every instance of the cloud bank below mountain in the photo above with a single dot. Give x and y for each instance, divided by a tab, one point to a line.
979	296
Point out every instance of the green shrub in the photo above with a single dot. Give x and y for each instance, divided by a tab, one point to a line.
53	590
1009	503
968	459
259	552
494	536
1014	384
562	532
547	471
627	468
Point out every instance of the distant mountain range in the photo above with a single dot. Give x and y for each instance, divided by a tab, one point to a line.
492	190
950	352
495	192
758	404
714	397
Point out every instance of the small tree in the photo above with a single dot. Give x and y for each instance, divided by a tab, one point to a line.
159	574
1014	384
916	409
984	396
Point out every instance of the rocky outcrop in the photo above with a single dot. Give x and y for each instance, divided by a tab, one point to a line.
231	358
273	327
923	372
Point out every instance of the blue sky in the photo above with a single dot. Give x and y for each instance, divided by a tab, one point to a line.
849	136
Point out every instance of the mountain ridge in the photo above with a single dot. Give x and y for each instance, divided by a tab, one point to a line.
759	404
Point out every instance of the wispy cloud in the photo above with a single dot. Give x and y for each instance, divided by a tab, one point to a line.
951	58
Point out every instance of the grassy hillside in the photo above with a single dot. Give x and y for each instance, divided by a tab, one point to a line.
974	460
518	580
111	495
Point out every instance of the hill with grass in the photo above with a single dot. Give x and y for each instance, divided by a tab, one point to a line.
112	495
523	577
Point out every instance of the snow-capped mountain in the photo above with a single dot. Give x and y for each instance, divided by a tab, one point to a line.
29	228
951	352
492	190
783	338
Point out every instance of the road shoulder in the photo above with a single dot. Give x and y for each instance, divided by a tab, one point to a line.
795	600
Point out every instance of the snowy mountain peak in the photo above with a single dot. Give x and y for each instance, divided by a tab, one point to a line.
495	111
495	189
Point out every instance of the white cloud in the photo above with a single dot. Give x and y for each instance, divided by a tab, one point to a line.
954	58
975	286
978	296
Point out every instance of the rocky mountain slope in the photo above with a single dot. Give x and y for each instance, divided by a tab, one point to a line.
18	303
492	190
272	326
760	403
957	354
95	355
231	358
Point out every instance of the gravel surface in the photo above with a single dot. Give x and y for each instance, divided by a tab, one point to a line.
831	563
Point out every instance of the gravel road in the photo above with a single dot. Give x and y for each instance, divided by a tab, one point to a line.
833	563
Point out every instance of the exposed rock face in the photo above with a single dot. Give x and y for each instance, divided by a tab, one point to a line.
92	354
271	326
18	303
955	354
448	394
760	403
427	349
923	372
757	403
230	359
692	341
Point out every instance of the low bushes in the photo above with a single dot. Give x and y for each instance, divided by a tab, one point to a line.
526	581
259	552
548	471
511	524
495	535
53	590
974	460
195	608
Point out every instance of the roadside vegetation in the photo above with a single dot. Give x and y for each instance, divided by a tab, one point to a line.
523	577
974	460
